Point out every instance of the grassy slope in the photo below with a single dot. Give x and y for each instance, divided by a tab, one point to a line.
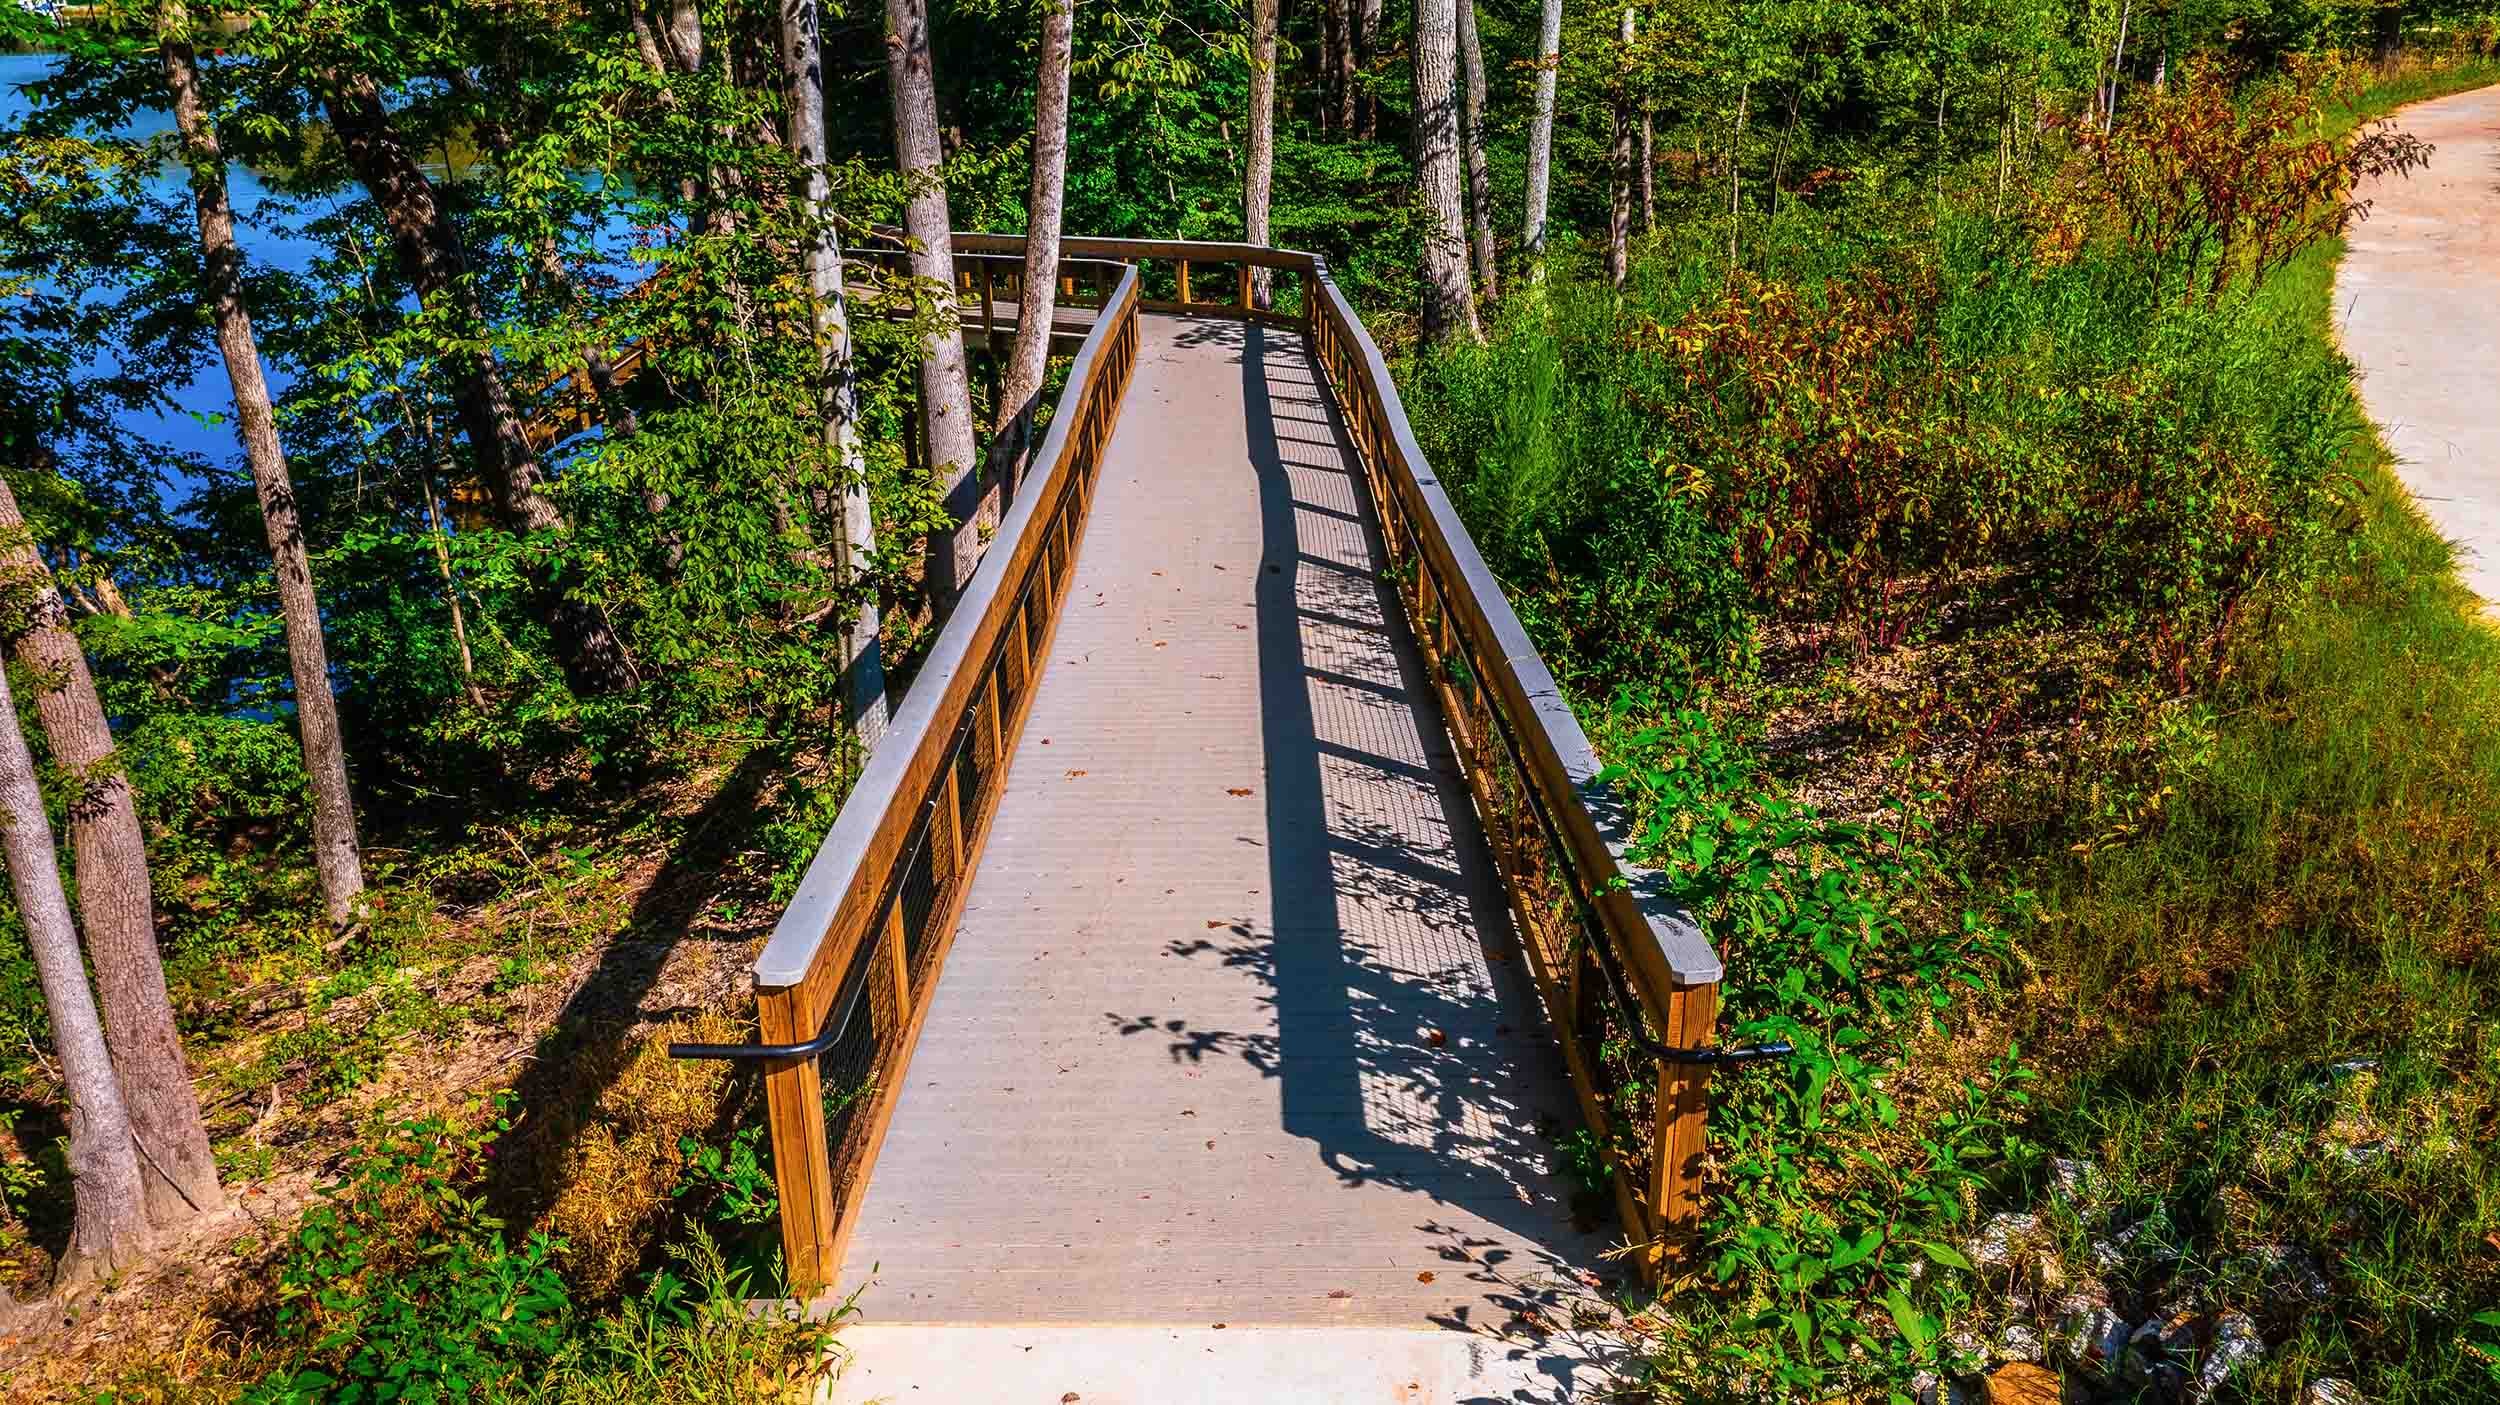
2321	893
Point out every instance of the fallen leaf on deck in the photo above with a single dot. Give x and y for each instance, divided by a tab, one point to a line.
1236	790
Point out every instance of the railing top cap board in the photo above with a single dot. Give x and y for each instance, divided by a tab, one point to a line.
791	952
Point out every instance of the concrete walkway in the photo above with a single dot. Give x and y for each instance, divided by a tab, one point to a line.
1234	1035
2418	297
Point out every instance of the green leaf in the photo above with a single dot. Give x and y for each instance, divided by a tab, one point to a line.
1946	1255
1914	1325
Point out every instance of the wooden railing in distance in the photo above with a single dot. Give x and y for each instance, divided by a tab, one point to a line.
1625	973
857	954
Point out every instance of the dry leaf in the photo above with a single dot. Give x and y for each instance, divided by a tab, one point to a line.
1435	1038
1340	1293
1072	775
1214	922
1236	790
1424	1277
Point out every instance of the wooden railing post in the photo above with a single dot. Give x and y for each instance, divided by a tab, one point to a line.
1683	1127
1184	281
802	1161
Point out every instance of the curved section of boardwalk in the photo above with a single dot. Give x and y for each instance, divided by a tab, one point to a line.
1233	1030
2419	297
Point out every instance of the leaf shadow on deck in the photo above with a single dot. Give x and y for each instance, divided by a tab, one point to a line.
1404	1013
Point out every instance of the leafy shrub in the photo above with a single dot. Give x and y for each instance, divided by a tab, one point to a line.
1842	1179
399	1286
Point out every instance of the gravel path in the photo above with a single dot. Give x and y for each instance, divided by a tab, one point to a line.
2419	299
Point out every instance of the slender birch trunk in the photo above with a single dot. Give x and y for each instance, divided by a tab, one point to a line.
1336	86
945	394
1736	177
1479	173
1619	210
109	1225
1370	12
1046	203
803	75
1541	135
1449	303
337	856
1259	170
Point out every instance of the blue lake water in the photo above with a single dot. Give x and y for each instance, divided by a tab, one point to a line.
179	425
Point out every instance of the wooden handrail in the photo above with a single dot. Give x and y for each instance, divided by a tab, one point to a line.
1625	975
867	931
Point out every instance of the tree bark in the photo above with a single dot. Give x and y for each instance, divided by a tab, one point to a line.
803	75
1449	304
337	857
109	1222
1259	170
1649	169
1619	207
431	255
1335	63
1038	298
1735	177
1541	134
1370	11
114	899
945	394
1479	173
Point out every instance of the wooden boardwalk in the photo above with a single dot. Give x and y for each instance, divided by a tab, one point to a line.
1234	1029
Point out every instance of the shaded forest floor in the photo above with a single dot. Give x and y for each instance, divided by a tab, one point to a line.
547	959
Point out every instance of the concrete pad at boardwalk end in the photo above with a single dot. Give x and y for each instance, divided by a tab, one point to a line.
1062	1365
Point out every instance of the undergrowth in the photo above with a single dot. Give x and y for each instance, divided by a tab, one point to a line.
2029	670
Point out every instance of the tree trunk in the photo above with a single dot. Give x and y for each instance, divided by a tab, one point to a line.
1619	210
431	256
1343	12
113	893
2117	69
1333	65
1479	174
803	74
1259	171
1038	298
337	858
945	394
109	1225
1649	168
1736	178
1371	55
1449	304
1541	135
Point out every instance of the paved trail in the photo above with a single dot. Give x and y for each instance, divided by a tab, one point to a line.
2419	299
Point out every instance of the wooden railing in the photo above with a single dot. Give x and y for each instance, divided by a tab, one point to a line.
855	958
1630	983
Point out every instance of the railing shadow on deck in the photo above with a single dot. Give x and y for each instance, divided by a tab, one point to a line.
1627	982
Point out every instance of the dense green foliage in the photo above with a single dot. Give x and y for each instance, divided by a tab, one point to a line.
2006	628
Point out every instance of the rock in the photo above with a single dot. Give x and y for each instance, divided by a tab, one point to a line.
1999	1246
2292	1275
2159	1350
1930	1389
2019	1341
2076	1181
2089	1334
2235	1345
2331	1390
2022	1383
